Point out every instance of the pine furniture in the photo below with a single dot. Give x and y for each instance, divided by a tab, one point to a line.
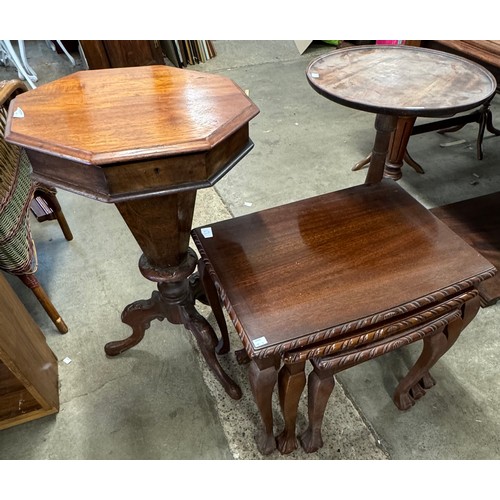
29	384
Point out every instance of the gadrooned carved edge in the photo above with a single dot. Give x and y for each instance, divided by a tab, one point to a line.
354	342
343	361
428	300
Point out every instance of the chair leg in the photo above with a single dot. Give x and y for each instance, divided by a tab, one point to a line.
53	203
489	123
485	123
32	282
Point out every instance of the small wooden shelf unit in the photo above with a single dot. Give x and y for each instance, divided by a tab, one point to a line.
28	368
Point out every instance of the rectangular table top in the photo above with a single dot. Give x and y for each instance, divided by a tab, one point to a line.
340	261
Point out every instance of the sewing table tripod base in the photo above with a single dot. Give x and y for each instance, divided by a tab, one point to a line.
174	301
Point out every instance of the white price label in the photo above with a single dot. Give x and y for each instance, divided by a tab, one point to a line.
259	342
207	232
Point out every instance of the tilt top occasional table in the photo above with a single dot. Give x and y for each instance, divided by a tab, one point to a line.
399	83
145	139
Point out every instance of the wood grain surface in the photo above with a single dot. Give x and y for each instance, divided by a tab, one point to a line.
329	263
28	368
121	114
401	80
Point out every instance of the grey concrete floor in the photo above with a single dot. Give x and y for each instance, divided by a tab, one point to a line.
304	146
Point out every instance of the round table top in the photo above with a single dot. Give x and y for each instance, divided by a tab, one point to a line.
401	80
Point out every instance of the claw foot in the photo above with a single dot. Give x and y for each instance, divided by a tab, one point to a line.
311	441
417	391
286	443
266	443
403	401
427	381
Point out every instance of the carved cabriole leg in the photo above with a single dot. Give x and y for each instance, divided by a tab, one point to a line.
175	302
409	389
413	386
207	342
213	300
320	385
291	383
262	374
138	316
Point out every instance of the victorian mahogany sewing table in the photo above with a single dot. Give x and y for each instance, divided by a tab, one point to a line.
145	139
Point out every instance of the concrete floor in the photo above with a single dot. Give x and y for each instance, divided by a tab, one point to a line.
147	405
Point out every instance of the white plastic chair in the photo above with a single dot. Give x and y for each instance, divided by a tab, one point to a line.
24	70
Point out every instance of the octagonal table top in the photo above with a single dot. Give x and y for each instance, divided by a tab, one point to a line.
102	117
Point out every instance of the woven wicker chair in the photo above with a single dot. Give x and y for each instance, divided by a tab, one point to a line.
18	193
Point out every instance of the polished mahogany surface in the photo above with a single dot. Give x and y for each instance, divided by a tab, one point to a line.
144	138
101	117
317	264
401	80
122	133
477	221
